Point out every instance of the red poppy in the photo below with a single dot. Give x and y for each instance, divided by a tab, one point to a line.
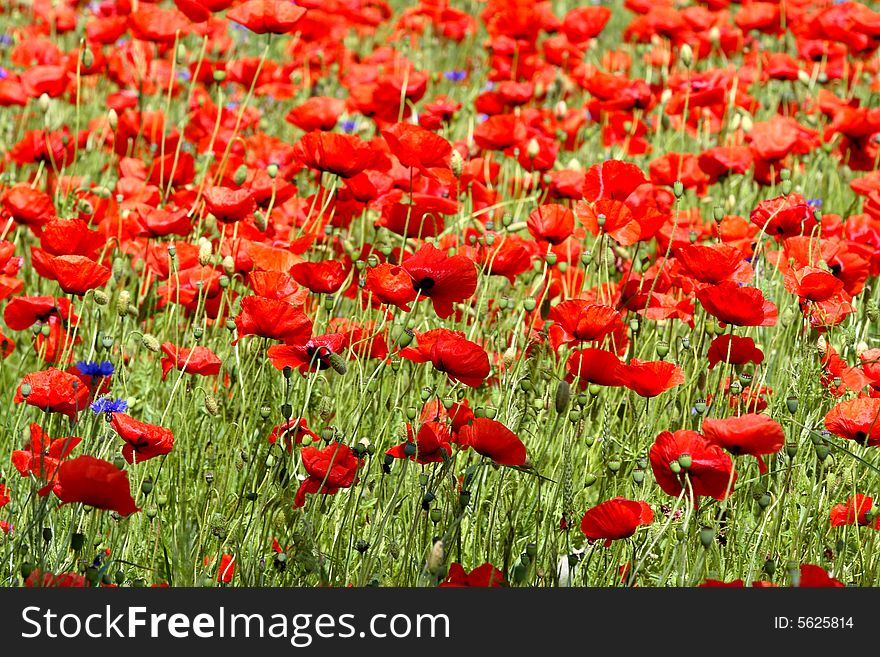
855	512
461	359
316	113
754	434
735	350
42	455
594	366
229	205
584	23
323	277
344	155
416	147
816	576
4	496
226	569
197	360
552	223
740	306
714	264
577	320
276	320
710	470
615	519
77	274
856	419
812	283
315	354
71	237
650	378
784	216
44	580
444	279
329	470
54	391
390	284
23	312
430	445
266	16
485	576
491	438
93	482
291	433
143	441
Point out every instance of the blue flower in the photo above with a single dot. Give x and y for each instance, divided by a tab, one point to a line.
95	368
455	76
108	405
814	202
348	126
3	74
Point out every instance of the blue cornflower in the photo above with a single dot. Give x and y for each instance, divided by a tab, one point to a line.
95	368
108	405
814	202
186	76
3	73
348	126
455	76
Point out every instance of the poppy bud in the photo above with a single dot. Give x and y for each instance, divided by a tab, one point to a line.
822	452
764	501
45	330
589	480
574	415
685	461
147	487
151	343
26	569
791	403
600	219
533	148
638	476
791	448
464	498
529	304
151	512
707	535
586	257
339	365
662	349
786	187
594	389
119	577
410	449
209	477
675	467
435	558
47	534
686	53
272	170
402	336
361	546
427	393
240	175
211	405
25	390
718	213
198	332
614	464
76	541
550	259
678	189
119	462
770	567
456	163
436	515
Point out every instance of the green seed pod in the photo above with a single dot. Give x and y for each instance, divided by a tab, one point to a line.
764	501
563	395
47	534
678	189
361	546
791	448
685	461
700	406
770	567
675	467
662	349
551	259
638	476
707	535
119	462
272	170
119	577
529	304
76	541
595	389
147	487
589	480
822	452
436	515
614	464
791	403
339	365
101	298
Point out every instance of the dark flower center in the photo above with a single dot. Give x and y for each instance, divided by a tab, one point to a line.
425	284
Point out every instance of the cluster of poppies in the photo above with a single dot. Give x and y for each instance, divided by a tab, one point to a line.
516	228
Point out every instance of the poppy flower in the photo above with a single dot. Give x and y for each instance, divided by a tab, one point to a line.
650	378
584	23
266	16
316	113
4	496
714	264
491	438
273	319
594	365
740	306
390	284
42	455
812	283
710	471
197	360
552	223
323	277
329	470
315	354
23	312
856	419
226	569
855	512
754	434
344	155
444	279
431	444
78	274
291	432
784	216
485	576
93	482
461	359
735	350
229	205
143	441
417	147
577	320
615	519
54	391
44	580
812	576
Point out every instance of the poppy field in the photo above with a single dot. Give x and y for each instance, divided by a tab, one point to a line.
522	293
